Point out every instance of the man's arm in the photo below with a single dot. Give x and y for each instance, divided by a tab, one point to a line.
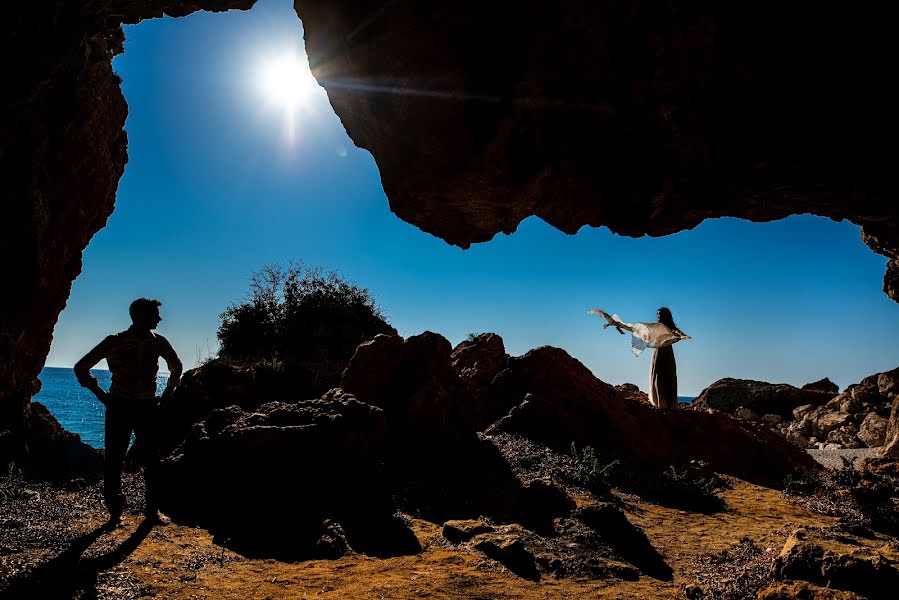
173	363
83	369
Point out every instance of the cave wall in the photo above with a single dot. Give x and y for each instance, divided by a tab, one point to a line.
643	116
62	153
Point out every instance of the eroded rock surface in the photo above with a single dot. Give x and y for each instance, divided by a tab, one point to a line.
760	397
857	418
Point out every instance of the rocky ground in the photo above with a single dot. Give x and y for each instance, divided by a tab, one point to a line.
817	416
763	543
435	471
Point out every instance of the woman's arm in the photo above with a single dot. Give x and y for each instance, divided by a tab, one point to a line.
612	322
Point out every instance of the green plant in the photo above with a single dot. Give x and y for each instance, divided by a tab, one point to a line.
806	483
296	313
590	473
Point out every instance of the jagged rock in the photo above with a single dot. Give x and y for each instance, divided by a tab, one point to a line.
459	531
850	405
843	562
54	454
846	437
797	438
822	385
629	390
541	500
891	439
873	430
629	541
509	551
886	383
781	399
477	361
827	422
588	412
745	413
436	462
413	381
268	480
801	411
770	419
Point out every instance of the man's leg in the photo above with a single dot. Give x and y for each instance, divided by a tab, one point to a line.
145	433
118	434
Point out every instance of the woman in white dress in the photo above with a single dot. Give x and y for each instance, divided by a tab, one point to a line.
659	336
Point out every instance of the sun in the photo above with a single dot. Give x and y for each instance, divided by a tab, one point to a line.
286	81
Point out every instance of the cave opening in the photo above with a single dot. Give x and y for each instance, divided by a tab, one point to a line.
251	171
221	181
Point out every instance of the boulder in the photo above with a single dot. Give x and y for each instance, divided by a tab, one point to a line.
414	382
772	420
436	463
509	551
458	531
781	399
278	479
843	562
626	539
845	436
822	385
746	414
477	361
629	390
891	439
827	422
556	400
886	384
479	358
873	430
54	454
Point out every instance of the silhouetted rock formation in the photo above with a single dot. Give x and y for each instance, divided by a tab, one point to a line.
760	397
471	138
587	113
629	390
436	462
54	453
297	480
822	385
555	399
857	418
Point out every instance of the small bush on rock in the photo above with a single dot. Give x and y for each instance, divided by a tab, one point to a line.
299	314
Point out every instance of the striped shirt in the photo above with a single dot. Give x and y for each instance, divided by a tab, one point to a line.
134	361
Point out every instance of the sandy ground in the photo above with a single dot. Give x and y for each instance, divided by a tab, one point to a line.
183	562
832	459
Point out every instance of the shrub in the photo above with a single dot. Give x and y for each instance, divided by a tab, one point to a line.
299	314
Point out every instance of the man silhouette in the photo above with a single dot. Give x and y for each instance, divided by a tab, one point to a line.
133	357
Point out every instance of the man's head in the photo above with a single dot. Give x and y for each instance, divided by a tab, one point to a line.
145	313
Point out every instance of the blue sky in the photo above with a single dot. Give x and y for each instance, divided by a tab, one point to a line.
216	187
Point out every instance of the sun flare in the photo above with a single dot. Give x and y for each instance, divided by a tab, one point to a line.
286	80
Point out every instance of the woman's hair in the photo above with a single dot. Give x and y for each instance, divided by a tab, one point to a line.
665	318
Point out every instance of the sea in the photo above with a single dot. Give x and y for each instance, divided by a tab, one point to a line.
80	412
77	409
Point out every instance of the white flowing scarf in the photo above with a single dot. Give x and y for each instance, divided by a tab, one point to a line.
644	335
